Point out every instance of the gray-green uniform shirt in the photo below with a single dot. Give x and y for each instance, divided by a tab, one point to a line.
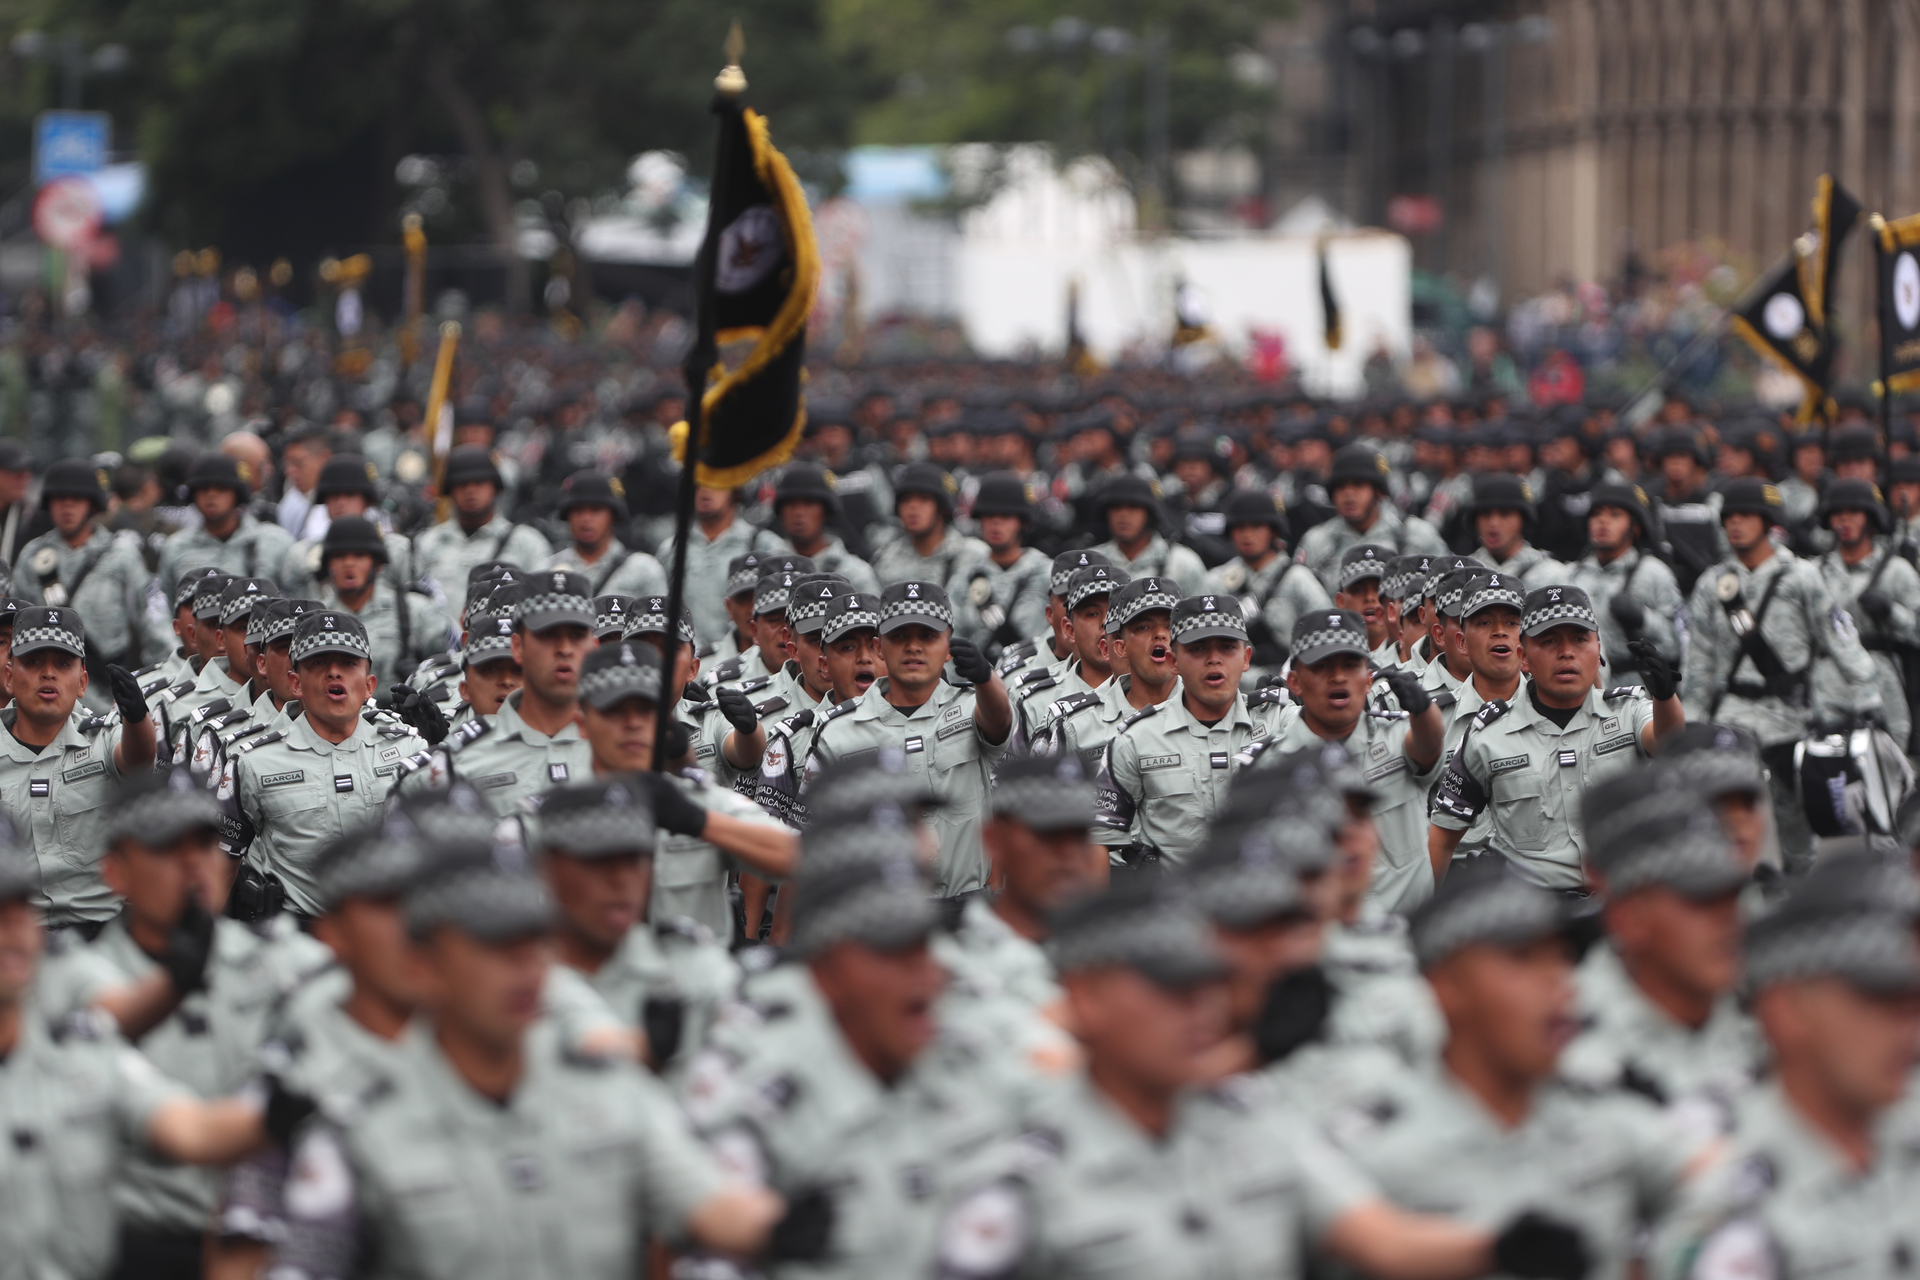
210	684
445	552
1020	590
254	550
674	960
427	1180
1159	559
514	762
1402	875
112	599
301	573
898	561
618	571
1784	1203
1604	1164
423	636
58	797
1651	583
74	1101
1082	724
1533	566
298	791
1279	593
1165	776
943	748
209	1043
1531	772
1891	575
690	874
1322	546
707	561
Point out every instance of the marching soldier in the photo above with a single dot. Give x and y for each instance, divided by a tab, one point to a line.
403	626
229	537
1633	591
1503	514
348	486
1528	761
1140	637
593	506
951	734
1049	648
736	641
1879	589
719	538
1273	590
1135	545
1362	570
321	775
83	564
850	655
1771	652
1088	594
488	670
1357	483
928	548
1001	599
806	504
476	533
59	766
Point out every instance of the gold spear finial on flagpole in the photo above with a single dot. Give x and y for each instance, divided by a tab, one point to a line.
732	81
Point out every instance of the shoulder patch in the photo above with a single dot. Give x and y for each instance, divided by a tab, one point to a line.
1030	687
839	709
1272	695
1074	703
1490	713
756	684
1137	717
1622	691
771	707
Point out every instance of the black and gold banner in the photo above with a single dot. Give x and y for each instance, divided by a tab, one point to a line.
1788	313
1896	259
1329	305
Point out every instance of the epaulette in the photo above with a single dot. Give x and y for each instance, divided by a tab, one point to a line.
400	730
150	687
1246	755
82	1025
793	724
726	671
1040	673
696	692
218	707
1136	718
1030	687
840	709
100	723
148	669
1621	691
235	717
771	707
1270	696
683	929
1074	703
410	765
706	651
754	685
263	740
242	732
1490	712
465	736
1444	698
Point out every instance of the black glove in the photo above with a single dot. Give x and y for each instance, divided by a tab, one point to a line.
806	1230
418	710
696	692
677	743
737	707
1873	602
1659	678
969	663
664	1019
287	1110
126	694
1293	1013
1628	612
673	812
189	947
1408	691
1536	1247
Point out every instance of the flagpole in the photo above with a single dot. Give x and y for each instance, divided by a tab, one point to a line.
727	86
1877	227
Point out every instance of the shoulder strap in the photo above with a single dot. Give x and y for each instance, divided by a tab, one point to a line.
405	620
613	567
1136	718
500	543
1873	579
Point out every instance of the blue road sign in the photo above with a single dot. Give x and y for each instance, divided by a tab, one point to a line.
68	144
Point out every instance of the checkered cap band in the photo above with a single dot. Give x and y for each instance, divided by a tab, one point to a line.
329	632
610	613
188	585
1067	563
649	618
1248	880
1328	631
918	601
601	821
744	578
1362	567
1551	607
206	598
1495	590
1142	595
1047	794
1451	596
855	611
1874	950
1161	934
1097	581
283	622
1491	903
772	592
619	671
159	816
552	609
260	618
1664	838
1218	614
490	903
878	900
36	629
241	602
492	638
807	605
380	864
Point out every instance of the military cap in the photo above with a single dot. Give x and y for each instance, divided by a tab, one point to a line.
282	618
1094	580
1002	493
1820	931
1484	900
1630	498
1904	470
353	535
10	607
1137	596
1404	576
489	638
807	600
1046	793
239	596
14	456
49	628
1147	924
877	790
1449	590
156	807
347	473
75	478
1640	836
649	618
591	488
1322	633
610	614
618	670
1358	464
805	482
1257	506
1750	495
1712	760
376	863
1501	491
743	574
1204	617
607	818
1438	569
929	479
493	571
880	901
907	604
206	597
1129	490
1550	607
848	612
1491	591
1853	444
483	889
1862	873
556	598
772	593
1857	495
1066	563
217	471
186	589
329	631
472	464
1357	564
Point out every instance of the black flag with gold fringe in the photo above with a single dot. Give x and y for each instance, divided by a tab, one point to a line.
1896	258
1330	326
754	281
1788	313
1835	214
